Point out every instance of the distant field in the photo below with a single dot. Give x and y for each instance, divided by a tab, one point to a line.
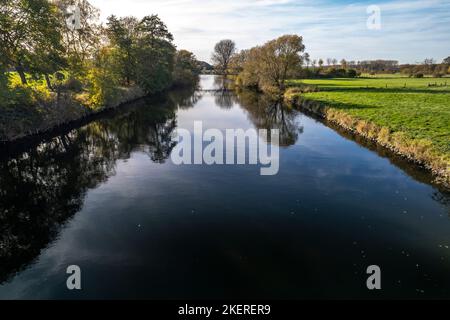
403	105
390	75
382	83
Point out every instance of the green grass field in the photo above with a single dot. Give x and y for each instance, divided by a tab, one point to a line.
407	105
408	114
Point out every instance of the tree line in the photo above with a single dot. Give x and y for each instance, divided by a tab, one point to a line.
40	42
267	67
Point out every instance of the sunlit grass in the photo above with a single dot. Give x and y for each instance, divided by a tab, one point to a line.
433	84
412	115
420	111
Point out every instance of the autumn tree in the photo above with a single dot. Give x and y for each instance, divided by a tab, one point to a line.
123	34
186	69
29	36
223	53
81	42
155	55
307	59
269	66
320	63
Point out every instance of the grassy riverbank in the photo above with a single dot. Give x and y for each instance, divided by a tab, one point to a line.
410	116
52	74
33	109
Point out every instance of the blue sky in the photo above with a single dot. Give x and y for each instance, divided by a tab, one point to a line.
410	30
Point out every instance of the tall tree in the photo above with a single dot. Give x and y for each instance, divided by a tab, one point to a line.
29	34
186	69
223	52
155	55
307	59
320	63
272	64
123	34
82	41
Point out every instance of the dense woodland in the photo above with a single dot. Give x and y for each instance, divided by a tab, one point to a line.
50	49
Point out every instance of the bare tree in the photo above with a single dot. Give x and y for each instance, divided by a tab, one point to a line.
307	59
320	63
223	52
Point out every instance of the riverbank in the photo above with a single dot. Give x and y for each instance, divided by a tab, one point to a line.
20	121
409	116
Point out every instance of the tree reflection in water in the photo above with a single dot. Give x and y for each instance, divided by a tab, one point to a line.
224	95
42	187
268	113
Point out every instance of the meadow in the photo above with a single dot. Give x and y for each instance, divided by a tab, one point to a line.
407	114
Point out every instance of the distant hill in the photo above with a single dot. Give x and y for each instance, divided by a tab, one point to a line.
205	67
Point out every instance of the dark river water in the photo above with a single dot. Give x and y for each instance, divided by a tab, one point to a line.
108	198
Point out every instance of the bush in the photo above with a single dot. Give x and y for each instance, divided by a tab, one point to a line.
418	75
103	81
73	84
185	71
351	73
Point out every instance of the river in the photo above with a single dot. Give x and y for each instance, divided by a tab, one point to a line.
107	198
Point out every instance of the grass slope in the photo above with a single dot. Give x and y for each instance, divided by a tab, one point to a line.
417	110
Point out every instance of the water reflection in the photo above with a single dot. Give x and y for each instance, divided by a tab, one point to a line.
224	95
43	186
268	113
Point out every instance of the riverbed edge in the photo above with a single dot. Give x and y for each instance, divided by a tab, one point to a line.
69	111
417	151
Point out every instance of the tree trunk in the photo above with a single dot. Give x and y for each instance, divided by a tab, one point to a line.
21	73
49	83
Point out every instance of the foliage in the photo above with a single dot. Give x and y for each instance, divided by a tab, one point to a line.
30	36
37	41
155	66
269	66
409	115
143	51
102	80
446	61
123	34
186	69
408	105
82	43
223	53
